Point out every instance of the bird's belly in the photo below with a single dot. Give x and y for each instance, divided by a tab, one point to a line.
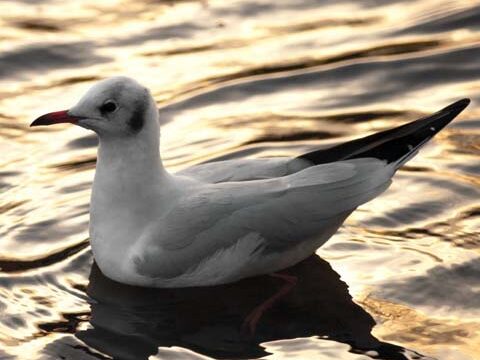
110	248
123	259
243	259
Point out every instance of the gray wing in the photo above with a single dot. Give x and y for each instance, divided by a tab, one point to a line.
245	169
394	145
271	214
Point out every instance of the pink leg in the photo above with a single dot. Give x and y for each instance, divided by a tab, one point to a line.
254	316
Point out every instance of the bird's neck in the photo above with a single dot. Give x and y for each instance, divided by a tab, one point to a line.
129	154
130	173
129	157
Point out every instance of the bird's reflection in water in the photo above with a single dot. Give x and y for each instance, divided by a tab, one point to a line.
132	322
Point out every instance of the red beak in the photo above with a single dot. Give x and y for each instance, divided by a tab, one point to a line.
57	117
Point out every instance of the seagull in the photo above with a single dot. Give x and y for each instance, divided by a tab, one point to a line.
219	222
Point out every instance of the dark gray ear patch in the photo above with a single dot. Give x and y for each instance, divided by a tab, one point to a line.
137	119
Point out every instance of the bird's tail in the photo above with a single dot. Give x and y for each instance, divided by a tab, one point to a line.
396	145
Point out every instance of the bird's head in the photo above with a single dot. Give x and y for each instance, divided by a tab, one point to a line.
117	106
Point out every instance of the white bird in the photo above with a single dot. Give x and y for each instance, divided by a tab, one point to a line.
222	221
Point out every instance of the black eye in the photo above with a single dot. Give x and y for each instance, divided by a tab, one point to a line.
108	107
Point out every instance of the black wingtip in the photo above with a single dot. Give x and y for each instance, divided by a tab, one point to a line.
392	144
443	117
457	107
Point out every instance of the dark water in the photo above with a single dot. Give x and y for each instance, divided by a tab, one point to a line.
400	280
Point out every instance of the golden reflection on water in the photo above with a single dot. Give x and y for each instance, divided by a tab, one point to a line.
244	78
440	337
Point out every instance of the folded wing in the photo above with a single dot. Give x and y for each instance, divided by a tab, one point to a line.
275	215
393	145
245	169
